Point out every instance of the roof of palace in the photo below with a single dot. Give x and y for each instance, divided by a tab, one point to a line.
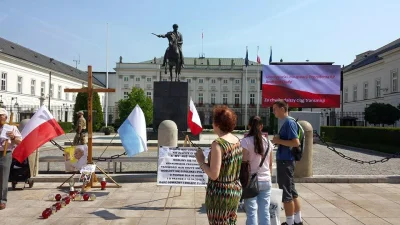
211	61
23	53
371	56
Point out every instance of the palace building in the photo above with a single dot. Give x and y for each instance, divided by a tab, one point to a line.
211	81
25	79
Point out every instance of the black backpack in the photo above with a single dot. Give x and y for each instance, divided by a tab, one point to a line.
298	151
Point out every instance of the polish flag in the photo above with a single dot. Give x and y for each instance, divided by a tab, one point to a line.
194	122
41	128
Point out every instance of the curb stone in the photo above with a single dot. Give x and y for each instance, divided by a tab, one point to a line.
152	177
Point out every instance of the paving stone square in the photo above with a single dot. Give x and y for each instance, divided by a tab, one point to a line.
143	203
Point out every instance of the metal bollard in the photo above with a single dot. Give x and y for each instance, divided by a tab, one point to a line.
304	167
168	134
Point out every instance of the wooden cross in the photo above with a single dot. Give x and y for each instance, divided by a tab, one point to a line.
9	123
89	89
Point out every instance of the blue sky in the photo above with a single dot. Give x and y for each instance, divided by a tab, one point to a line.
318	30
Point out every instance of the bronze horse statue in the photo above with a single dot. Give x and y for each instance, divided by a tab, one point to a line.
173	55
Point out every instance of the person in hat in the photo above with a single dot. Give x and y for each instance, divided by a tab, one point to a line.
14	138
80	128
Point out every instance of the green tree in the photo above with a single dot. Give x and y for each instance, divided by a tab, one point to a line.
380	113
81	103
136	97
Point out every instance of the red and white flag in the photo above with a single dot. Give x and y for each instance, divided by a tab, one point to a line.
41	128
194	122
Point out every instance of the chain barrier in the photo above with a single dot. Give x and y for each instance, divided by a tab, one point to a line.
371	162
57	145
100	159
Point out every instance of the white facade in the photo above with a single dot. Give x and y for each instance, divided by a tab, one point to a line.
374	82
23	83
207	85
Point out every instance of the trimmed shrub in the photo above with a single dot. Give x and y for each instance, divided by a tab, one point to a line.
66	126
381	139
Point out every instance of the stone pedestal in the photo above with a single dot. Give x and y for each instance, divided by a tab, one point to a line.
304	167
170	102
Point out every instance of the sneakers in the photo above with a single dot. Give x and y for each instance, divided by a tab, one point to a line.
301	223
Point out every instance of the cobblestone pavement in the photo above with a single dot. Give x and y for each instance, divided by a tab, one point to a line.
325	162
142	204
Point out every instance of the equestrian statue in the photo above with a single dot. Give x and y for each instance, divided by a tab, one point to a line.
174	52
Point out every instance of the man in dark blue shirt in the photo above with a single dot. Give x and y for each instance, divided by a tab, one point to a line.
286	139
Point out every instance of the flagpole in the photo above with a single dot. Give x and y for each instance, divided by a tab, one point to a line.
245	107
106	103
258	84
202	38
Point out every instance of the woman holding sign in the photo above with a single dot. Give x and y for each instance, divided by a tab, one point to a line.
13	136
223	168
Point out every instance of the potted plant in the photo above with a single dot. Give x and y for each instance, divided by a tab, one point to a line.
108	130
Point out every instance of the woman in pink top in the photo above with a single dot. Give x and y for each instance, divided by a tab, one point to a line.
254	147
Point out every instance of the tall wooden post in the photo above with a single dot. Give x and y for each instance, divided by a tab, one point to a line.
90	91
90	115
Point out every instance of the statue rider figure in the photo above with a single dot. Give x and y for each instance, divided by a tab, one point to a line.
180	42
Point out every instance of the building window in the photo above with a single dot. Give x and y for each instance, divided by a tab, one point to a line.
42	88
126	85
225	99
137	79
212	98
148	94
73	97
378	88
19	88
4	81
66	96
252	81
201	81
346	94
252	99
395	81
355	93
237	99
33	87
237	81
213	81
189	80
126	78
164	79
148	79
225	81
137	85
200	98
59	92
365	94
126	94
51	91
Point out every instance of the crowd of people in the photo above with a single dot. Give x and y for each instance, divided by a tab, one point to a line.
228	152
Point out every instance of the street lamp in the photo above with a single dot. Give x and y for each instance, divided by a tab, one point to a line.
41	99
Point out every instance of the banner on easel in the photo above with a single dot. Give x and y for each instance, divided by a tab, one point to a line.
177	166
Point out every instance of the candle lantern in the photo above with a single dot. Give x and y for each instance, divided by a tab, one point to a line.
103	183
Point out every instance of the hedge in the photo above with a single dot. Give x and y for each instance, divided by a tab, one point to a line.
381	139
66	126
